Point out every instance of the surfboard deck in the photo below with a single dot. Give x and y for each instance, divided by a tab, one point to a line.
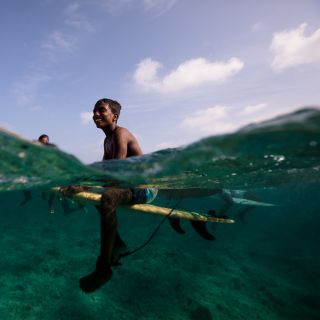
93	196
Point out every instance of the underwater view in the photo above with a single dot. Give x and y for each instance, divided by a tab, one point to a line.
265	265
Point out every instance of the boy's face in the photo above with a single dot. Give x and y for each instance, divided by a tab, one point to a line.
103	116
44	140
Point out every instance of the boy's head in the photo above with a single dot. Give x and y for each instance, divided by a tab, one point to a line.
114	105
44	139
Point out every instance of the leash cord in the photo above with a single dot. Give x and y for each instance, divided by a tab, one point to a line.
152	235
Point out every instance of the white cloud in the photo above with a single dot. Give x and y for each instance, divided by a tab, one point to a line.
75	18
165	145
254	108
256	26
146	73
190	74
213	120
86	117
160	6
58	40
26	89
114	6
225	119
293	47
55	46
156	7
65	39
262	114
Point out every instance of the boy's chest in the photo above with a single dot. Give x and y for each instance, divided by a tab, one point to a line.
109	150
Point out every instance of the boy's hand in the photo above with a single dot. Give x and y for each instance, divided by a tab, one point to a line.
69	191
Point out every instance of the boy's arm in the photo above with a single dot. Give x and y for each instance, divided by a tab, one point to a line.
121	145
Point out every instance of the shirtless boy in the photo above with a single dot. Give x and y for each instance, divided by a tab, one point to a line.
118	144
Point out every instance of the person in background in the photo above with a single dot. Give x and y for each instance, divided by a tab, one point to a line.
44	139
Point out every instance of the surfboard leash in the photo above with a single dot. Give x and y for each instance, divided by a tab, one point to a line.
128	253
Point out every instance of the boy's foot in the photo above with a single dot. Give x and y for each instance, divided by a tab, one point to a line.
97	278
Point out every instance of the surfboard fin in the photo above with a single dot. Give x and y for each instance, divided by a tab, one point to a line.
51	204
70	206
201	228
175	224
27	196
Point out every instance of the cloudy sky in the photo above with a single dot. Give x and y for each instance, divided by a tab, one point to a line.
182	69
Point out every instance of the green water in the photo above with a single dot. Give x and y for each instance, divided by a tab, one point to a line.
265	266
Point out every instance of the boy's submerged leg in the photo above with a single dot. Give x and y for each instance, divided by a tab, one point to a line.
110	241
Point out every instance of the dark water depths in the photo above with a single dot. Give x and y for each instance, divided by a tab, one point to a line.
265	266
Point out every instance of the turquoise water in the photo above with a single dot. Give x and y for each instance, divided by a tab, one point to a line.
265	266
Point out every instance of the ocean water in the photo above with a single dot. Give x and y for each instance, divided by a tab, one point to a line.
264	266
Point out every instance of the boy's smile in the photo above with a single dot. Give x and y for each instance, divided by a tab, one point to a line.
103	116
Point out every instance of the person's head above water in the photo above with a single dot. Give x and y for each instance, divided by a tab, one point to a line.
106	113
44	139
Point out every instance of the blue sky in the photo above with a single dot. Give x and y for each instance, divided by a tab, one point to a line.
182	69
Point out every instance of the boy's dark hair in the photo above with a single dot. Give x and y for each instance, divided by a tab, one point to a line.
114	105
43	136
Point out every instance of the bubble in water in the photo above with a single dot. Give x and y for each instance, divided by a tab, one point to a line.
279	158
313	143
